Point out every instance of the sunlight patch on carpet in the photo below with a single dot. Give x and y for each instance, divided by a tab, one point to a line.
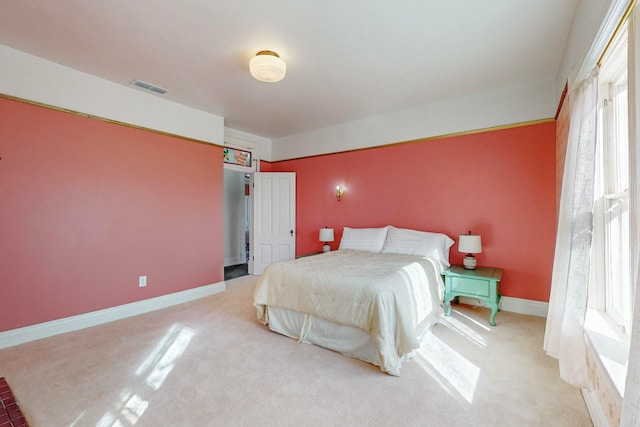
131	406
163	358
459	327
456	374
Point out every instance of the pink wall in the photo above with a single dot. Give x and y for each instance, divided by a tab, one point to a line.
265	166
88	206
500	184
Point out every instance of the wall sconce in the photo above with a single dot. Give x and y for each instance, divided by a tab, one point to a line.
470	244
339	192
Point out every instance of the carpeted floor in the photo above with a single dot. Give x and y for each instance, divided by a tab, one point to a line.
210	363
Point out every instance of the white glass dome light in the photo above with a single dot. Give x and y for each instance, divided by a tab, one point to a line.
267	66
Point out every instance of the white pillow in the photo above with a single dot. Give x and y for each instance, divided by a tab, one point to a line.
363	239
413	242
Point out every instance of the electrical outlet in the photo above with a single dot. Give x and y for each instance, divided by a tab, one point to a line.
142	281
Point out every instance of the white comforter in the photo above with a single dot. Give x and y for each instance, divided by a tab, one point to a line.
393	297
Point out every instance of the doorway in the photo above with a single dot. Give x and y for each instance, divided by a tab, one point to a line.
274	224
237	223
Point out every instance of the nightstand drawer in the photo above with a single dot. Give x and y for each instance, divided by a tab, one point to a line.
470	286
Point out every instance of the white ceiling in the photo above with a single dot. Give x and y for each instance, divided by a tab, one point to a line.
346	60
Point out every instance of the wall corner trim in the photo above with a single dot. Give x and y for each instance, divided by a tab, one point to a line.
69	324
593	407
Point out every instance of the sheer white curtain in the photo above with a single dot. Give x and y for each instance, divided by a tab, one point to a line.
631	402
564	335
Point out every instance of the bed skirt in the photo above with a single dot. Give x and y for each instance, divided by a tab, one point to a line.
305	328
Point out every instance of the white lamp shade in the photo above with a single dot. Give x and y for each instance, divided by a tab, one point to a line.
267	66
326	235
470	244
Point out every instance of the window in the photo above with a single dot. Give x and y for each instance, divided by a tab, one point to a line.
614	293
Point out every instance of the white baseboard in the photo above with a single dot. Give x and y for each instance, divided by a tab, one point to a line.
596	413
515	305
81	321
524	306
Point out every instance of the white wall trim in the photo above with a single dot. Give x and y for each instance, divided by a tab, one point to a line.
501	107
524	306
595	410
515	305
260	146
32	78
605	32
94	318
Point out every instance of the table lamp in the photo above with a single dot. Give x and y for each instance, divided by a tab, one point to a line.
326	236
470	244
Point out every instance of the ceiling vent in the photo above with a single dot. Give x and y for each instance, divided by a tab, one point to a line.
149	86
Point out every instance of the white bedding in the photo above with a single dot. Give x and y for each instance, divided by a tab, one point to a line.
309	329
394	298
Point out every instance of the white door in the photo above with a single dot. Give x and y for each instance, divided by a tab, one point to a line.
274	219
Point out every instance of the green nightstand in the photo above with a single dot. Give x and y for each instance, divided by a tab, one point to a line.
482	283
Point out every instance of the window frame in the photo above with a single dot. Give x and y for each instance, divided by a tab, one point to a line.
613	80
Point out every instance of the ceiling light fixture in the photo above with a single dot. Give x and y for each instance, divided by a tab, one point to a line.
267	66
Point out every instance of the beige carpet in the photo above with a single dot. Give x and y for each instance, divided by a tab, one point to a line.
209	363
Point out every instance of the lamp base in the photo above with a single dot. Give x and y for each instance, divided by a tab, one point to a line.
326	248
469	262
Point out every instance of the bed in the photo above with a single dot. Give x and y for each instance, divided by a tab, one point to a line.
372	299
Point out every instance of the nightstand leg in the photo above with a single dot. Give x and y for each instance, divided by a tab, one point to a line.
447	303
494	310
